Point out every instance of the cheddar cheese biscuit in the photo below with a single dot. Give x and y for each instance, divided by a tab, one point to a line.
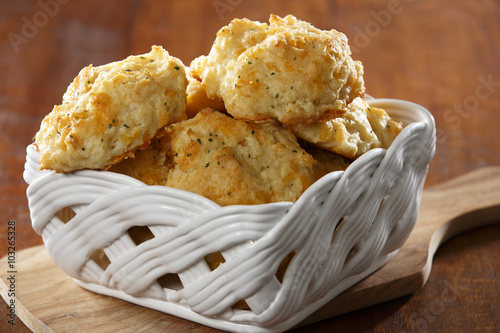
385	128
360	129
326	161
110	111
197	98
286	70
149	164
236	162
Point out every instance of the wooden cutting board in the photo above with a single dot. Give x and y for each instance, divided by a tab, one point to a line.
47	300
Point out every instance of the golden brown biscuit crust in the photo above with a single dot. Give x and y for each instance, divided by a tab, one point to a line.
360	129
236	162
148	165
110	111
385	128
287	70
326	161
197	98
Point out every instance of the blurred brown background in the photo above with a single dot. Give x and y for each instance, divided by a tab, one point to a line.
443	55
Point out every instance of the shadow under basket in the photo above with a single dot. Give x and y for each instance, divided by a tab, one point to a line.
261	268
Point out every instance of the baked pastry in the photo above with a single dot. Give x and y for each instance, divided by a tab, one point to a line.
326	161
110	111
149	164
286	70
358	130
385	128
197	98
236	162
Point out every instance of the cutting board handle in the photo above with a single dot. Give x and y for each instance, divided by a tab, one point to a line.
463	203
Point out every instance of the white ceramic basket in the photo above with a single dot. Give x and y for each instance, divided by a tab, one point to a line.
344	227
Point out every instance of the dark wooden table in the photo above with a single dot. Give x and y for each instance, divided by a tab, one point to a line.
443	55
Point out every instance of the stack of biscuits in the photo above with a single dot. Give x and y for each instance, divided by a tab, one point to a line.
272	108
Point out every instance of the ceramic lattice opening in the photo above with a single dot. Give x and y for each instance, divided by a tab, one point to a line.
101	259
170	281
280	273
214	260
65	214
337	227
140	234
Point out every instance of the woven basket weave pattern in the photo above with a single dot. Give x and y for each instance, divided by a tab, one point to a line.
345	226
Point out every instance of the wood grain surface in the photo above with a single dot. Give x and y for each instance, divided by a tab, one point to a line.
443	55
